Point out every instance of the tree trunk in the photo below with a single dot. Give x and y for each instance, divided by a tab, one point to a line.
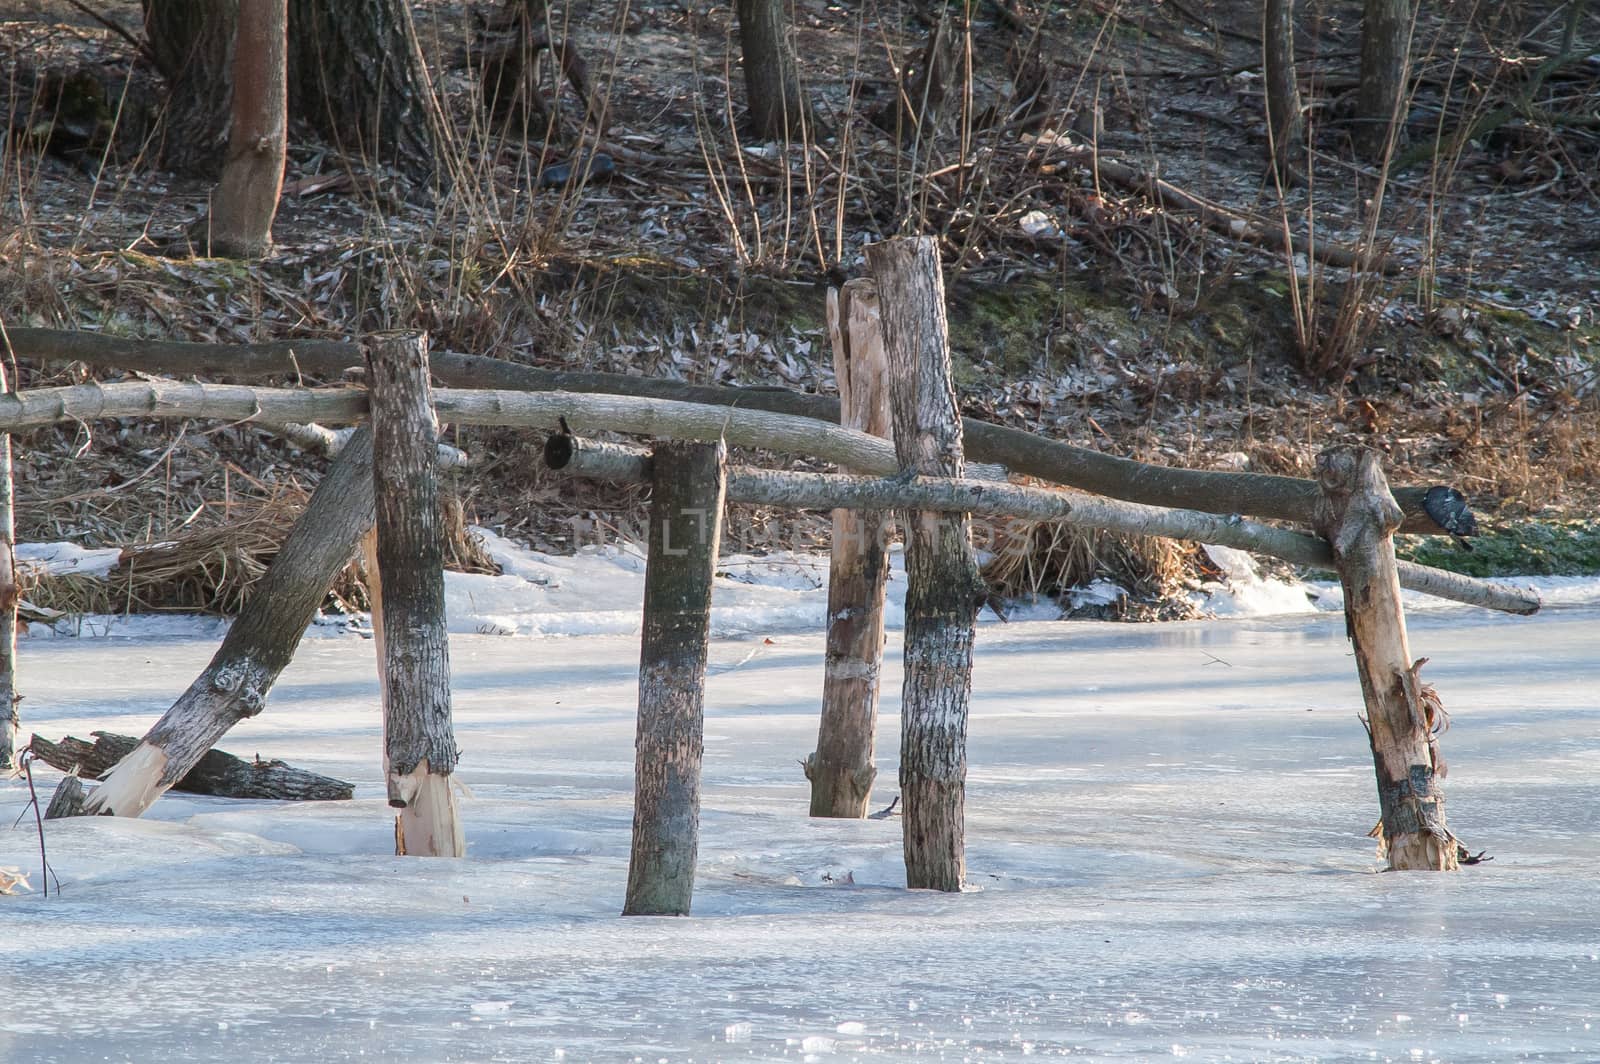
1358	520
419	752
10	595
778	109
943	588
841	770
192	44
246	199
218	774
260	643
1286	127
1385	56
356	74
685	526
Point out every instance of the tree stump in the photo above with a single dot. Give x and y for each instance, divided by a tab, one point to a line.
841	769
943	586
419	748
1358	519
687	488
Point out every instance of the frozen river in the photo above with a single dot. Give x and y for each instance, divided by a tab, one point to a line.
1166	827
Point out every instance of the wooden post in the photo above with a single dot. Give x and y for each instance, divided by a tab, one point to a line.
260	643
685	525
841	769
943	586
1358	518
419	747
10	595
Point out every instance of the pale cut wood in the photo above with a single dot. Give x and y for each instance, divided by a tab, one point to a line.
1359	519
943	588
841	770
821	491
419	739
1254	494
246	198
260	643
685	526
10	596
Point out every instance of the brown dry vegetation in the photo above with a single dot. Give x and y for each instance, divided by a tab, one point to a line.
1080	308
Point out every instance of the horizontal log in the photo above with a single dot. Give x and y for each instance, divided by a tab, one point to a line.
1257	494
826	491
218	774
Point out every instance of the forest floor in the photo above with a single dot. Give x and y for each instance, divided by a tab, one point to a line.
1080	308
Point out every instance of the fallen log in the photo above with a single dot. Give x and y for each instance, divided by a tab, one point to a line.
1257	494
821	491
216	773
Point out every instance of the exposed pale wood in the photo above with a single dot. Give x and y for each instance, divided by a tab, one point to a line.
841	770
10	596
1255	494
1358	520
943	588
246	198
260	642
821	491
218	774
419	740
685	526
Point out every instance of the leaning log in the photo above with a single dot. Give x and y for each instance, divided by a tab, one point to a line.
216	773
840	770
686	503
822	491
1359	516
419	747
1256	494
943	587
234	686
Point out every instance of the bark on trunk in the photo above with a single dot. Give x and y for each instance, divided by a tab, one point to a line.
217	774
1358	519
1286	128
841	769
67	800
1256	494
685	526
246	199
192	44
419	744
924	87
778	108
356	74
10	595
1385	54
261	642
943	588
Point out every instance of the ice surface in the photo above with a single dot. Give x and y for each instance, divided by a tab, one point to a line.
1166	823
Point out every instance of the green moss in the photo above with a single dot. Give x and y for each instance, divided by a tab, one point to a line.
1535	548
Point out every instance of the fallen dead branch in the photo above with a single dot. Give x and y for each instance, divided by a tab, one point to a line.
218	774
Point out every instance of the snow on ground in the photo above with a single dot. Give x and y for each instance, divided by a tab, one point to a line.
1165	829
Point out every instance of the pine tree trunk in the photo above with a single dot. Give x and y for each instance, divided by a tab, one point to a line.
1359	519
1286	128
356	75
1385	46
246	199
943	588
419	743
192	42
686	498
841	770
778	108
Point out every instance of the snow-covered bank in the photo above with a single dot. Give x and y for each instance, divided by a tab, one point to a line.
1167	823
598	591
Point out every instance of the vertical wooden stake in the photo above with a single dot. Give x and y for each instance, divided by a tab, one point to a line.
687	487
10	595
1358	517
841	769
943	589
418	741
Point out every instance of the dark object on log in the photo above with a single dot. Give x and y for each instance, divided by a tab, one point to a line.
69	796
1252	494
686	505
218	774
1448	508
589	168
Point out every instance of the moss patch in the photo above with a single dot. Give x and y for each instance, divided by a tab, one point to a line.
1535	548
